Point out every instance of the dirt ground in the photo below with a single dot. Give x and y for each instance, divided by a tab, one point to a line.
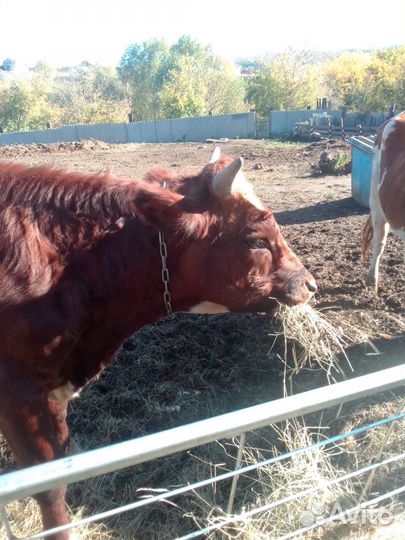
186	368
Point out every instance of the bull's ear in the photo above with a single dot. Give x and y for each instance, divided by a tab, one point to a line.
169	212
157	207
223	181
216	154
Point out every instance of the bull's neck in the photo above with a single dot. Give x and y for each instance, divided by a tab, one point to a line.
129	285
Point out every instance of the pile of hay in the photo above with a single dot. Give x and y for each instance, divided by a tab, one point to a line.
313	341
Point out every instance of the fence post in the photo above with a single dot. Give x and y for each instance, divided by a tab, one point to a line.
235	479
269	124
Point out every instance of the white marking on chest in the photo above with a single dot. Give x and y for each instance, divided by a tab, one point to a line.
208	308
63	393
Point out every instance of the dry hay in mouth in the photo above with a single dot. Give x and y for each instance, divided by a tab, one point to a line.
314	339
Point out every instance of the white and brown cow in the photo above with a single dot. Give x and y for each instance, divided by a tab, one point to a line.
387	197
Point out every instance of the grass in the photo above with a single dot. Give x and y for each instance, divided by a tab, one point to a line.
341	163
281	143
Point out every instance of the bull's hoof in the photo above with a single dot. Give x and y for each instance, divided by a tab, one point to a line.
371	281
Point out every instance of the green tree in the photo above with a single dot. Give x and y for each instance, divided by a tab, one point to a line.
142	69
264	90
88	94
187	46
186	79
287	81
345	79
385	80
105	82
226	91
183	93
23	105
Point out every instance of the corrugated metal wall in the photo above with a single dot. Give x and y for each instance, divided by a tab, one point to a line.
282	122
197	129
180	129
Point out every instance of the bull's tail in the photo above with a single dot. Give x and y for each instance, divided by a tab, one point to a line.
367	237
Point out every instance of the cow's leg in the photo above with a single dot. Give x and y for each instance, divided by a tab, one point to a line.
37	432
379	222
380	233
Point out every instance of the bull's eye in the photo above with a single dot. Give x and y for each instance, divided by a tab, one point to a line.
257	243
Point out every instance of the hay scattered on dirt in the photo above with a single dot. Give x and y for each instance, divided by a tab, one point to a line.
282	480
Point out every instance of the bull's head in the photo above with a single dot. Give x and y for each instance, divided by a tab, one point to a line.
268	269
233	255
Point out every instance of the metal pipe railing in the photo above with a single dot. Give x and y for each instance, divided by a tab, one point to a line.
166	495
16	485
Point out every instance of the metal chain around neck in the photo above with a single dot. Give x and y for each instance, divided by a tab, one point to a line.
167	298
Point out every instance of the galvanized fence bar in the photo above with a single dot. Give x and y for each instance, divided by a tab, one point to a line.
96	462
82	466
344	514
236	473
282	122
246	515
241	447
19	484
5	522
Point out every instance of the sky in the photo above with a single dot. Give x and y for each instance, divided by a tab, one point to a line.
68	32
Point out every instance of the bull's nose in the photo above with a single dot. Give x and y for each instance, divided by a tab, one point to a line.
311	286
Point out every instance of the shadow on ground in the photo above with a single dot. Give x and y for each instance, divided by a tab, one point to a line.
321	212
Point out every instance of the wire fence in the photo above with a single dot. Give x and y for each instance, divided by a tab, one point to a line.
14	486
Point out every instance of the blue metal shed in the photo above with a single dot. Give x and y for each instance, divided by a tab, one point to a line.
362	161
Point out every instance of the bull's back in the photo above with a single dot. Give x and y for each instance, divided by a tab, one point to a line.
390	142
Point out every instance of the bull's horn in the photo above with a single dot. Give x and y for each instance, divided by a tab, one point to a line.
216	154
222	182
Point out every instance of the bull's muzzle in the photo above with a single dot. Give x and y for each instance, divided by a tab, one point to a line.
299	289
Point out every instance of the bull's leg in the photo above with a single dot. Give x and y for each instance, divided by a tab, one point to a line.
37	432
380	232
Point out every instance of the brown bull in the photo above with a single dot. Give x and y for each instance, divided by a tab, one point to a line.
81	270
